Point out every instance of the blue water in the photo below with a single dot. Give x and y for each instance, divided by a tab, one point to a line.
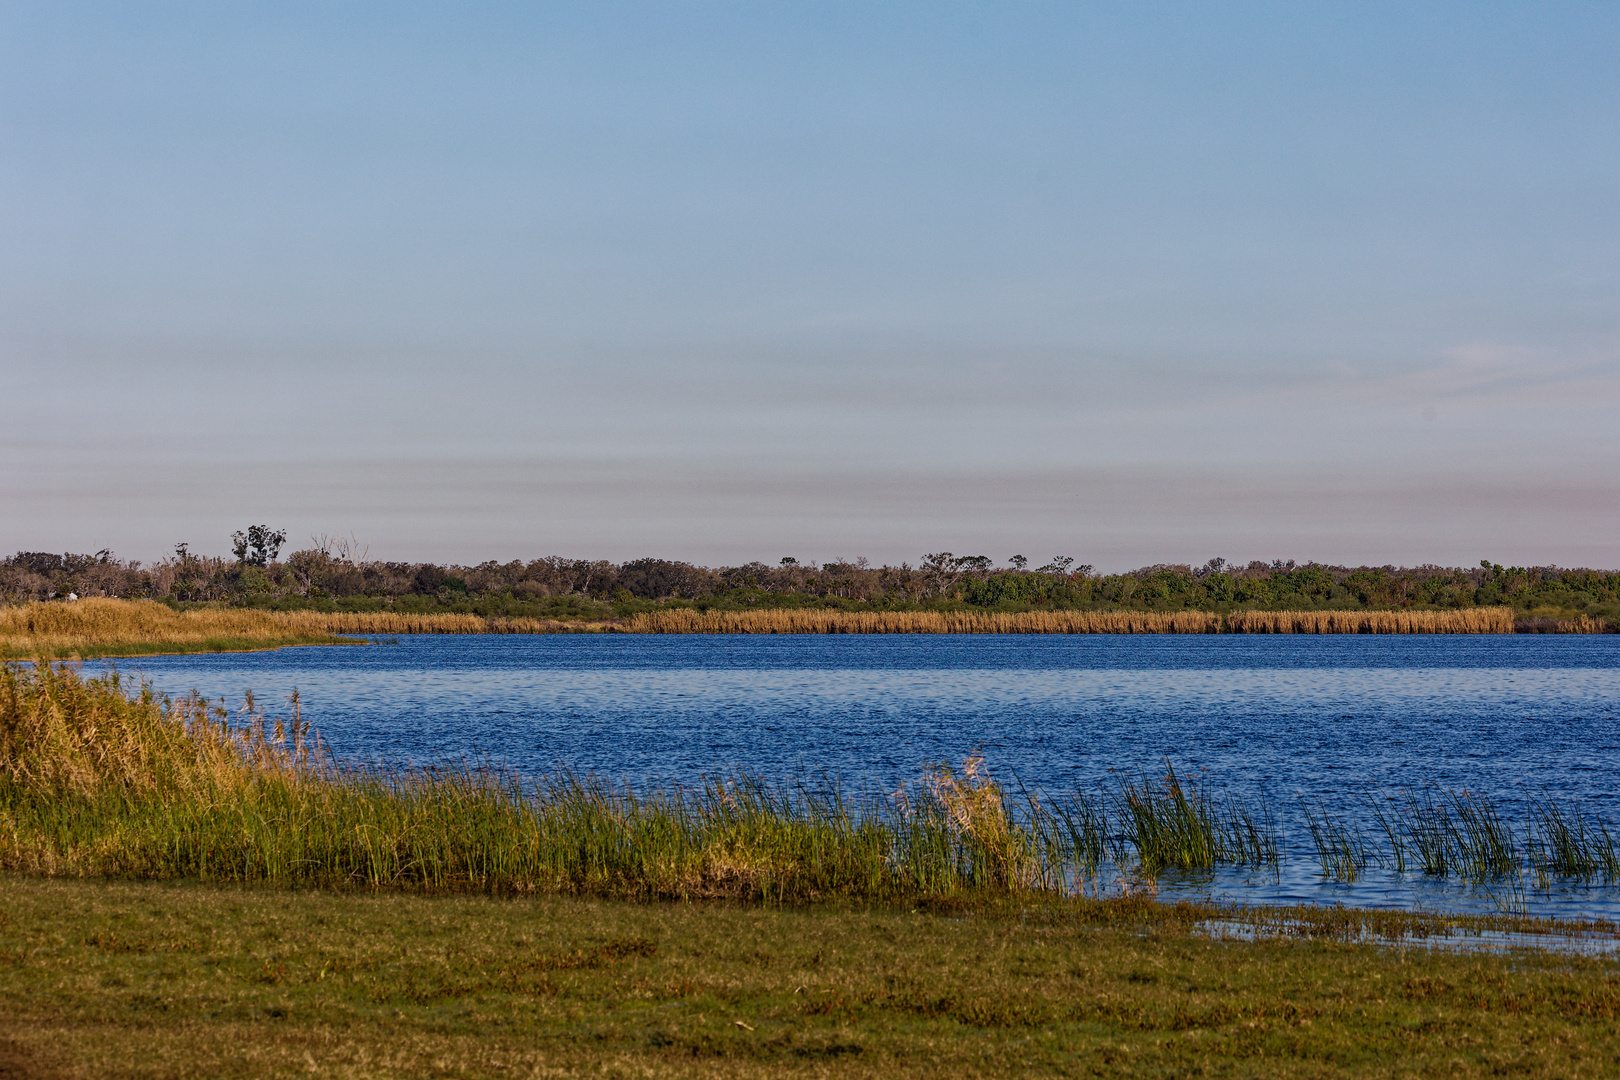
1269	716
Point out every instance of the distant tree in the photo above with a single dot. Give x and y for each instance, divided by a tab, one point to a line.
258	546
1059	565
788	560
1018	562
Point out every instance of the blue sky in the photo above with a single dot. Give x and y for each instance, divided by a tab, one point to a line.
1134	283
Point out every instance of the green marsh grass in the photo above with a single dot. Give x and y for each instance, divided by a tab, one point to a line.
1341	847
1484	847
1182	825
1567	842
101	777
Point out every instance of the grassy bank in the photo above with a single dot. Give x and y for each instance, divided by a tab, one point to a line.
99	778
463	923
124	979
106	627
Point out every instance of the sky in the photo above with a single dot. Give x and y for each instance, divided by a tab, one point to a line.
717	282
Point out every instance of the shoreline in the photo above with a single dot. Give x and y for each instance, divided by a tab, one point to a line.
206	893
102	628
99	628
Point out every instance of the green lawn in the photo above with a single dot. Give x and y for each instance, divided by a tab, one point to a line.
112	979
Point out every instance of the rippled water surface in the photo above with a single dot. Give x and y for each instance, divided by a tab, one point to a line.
1270	716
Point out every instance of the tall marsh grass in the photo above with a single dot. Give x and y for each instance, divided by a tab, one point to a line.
1568	842
390	622
97	777
811	621
107	627
1182	825
100	777
1342	849
102	626
1485	620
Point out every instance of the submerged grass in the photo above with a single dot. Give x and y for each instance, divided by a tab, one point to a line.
1341	848
1567	842
1184	826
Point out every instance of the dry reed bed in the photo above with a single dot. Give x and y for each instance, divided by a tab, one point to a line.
105	626
388	622
810	621
1485	620
1495	620
1583	624
100	626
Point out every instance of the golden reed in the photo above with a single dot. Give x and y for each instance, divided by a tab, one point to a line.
100	626
1496	620
105	627
684	621
1485	620
388	622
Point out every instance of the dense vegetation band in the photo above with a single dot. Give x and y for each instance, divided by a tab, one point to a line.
337	578
99	626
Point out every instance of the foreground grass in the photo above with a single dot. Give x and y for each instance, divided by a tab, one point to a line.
464	923
128	979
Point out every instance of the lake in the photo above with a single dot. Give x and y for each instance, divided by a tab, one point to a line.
1263	716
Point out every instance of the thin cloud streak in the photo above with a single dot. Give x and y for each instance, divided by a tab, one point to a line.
1115	518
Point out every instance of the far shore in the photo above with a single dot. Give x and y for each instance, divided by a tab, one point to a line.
106	627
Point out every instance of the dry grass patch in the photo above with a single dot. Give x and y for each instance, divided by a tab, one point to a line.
106	627
811	621
1485	620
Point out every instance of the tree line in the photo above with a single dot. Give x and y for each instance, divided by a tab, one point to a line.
339	575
